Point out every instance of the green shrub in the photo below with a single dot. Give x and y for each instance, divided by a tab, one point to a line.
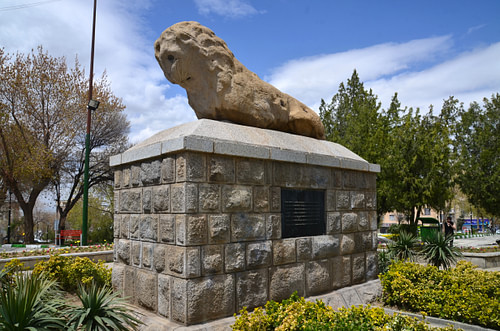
297	314
464	293
403	248
71	271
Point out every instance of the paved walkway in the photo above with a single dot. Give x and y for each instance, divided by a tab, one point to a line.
478	242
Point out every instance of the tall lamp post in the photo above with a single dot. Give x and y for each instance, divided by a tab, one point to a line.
92	105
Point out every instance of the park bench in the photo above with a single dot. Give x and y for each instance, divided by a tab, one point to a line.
68	234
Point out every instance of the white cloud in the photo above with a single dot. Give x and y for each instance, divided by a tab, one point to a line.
417	70
229	8
64	29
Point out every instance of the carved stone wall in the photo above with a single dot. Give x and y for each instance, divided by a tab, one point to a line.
198	233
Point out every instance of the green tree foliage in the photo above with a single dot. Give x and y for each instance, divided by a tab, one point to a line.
42	125
412	149
477	144
100	215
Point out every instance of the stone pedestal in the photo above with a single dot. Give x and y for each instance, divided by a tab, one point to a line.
198	231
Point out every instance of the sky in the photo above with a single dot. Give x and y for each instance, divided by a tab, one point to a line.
424	50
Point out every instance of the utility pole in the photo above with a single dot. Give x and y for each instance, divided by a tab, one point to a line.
92	105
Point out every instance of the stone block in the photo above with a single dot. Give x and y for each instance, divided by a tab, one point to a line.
349	222
135	176
234	257
284	251
273	226
347	244
164	295
324	247
358	268
116	225
126	178
318	177
371	265
218	229
275	199
318	277
221	169
336	178
286	279
331	202
363	221
357	200
150	173
130	201
161	199
372	219
212	259
123	251
250	171
248	227
135	221
147	256
286	174
210	298
167	228
147	289
129	281
117	179
371	201
190	167
236	198
304	249
333	223
341	271
159	257
124	226
184	198
135	253
148	228
117	277
178	295
209	198
259	254
251	289
191	230
183	262
343	200
168	170
261	199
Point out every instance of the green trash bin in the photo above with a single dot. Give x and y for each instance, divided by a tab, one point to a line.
430	226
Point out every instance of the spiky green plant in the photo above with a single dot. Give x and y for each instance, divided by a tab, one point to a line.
439	252
403	248
31	303
101	310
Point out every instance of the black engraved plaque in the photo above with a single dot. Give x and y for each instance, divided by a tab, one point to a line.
302	213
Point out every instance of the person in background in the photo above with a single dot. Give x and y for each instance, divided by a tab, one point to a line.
449	228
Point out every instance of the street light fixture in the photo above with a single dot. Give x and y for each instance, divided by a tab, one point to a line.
93	105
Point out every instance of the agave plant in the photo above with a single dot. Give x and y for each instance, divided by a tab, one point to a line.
439	252
101	310
31	303
403	247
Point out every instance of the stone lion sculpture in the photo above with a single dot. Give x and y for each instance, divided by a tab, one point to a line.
219	87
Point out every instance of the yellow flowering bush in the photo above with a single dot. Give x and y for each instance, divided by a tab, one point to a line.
464	293
71	271
297	314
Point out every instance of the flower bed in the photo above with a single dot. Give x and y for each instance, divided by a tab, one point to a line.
56	250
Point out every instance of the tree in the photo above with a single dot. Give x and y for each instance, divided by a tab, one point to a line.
100	214
477	146
352	119
42	104
108	137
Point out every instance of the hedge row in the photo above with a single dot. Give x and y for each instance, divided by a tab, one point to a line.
464	293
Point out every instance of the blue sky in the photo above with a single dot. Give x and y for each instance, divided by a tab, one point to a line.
424	50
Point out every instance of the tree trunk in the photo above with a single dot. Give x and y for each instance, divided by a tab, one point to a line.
29	237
